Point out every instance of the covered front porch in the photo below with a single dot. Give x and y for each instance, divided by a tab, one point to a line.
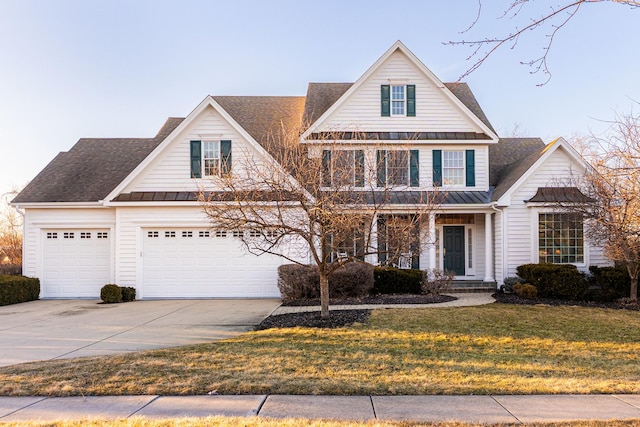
460	242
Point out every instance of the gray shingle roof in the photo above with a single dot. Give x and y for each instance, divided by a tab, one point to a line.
95	166
92	168
262	116
509	159
321	96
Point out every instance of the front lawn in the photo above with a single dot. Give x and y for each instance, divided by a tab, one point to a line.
492	349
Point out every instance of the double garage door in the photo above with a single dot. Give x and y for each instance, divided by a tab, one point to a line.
204	263
76	263
177	263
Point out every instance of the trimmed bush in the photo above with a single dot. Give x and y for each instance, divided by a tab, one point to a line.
298	282
525	290
608	283
128	293
353	279
561	281
17	289
436	281
509	283
111	294
391	280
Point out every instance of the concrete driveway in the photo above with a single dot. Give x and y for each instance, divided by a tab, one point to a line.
55	329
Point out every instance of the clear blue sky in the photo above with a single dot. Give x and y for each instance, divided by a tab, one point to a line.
118	68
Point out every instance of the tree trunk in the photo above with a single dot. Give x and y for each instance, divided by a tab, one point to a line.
324	295
634	288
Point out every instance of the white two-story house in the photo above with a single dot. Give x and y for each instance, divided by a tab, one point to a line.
125	210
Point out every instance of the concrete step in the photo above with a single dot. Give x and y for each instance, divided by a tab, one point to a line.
473	286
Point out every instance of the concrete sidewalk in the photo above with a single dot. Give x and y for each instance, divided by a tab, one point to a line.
478	409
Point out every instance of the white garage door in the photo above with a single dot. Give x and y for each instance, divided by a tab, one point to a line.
76	263
201	263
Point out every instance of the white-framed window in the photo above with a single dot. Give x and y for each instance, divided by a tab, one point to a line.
453	171
102	235
343	168
52	235
169	234
211	158
398	100
204	233
221	233
68	235
560	238
85	235
187	234
398	167
153	234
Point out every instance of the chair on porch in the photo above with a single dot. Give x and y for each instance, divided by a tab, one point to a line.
404	261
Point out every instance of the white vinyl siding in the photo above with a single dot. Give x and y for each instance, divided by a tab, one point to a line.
521	234
171	170
362	110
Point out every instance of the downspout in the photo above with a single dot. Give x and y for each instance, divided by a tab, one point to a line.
499	280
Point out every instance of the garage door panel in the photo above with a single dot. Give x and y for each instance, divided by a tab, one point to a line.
76	263
200	263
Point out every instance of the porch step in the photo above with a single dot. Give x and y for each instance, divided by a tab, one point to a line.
464	286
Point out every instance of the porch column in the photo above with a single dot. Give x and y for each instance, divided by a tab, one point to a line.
432	242
488	248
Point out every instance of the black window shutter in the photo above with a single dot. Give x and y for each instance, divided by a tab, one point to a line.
381	161
470	168
326	168
385	100
196	159
411	100
225	154
414	169
359	168
437	168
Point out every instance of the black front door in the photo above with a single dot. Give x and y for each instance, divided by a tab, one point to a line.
454	249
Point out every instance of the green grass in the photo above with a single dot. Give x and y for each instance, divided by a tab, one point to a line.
493	349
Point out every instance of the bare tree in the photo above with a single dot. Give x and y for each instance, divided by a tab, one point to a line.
10	231
552	19
612	219
321	203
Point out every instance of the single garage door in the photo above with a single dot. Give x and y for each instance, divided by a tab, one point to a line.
76	263
201	263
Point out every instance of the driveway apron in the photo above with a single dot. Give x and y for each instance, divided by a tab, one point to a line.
54	329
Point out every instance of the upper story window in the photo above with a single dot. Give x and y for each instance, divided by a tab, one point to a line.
560	238
398	168
343	168
210	158
398	100
454	168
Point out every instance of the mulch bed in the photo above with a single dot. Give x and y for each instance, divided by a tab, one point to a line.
375	299
515	299
339	318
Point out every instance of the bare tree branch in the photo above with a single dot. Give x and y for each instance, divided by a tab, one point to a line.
321	201
483	48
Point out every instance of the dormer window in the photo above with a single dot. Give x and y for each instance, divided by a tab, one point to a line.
398	100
